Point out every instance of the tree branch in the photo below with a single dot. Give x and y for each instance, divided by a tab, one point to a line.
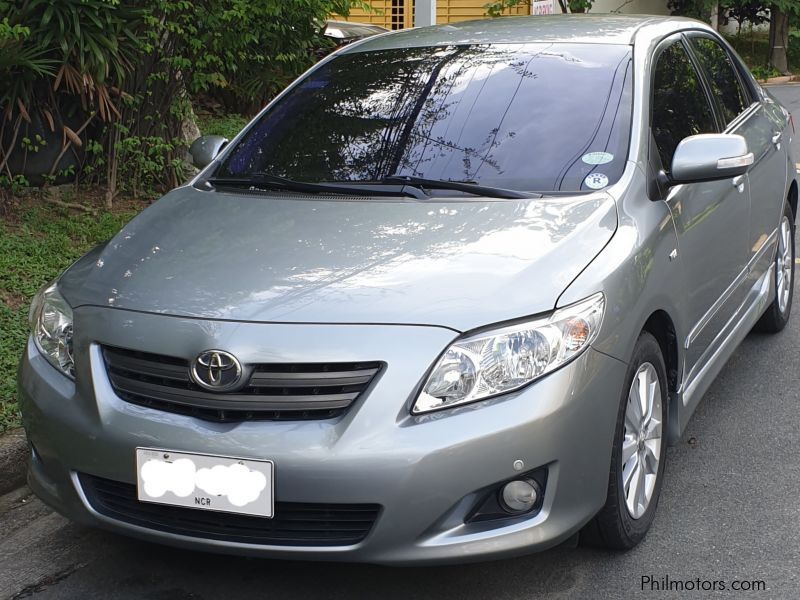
621	6
73	205
13	142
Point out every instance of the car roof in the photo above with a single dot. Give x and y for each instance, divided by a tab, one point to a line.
351	24
571	28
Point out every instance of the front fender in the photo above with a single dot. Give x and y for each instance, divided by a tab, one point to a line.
640	273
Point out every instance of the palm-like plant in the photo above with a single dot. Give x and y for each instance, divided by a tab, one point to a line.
21	64
62	53
93	42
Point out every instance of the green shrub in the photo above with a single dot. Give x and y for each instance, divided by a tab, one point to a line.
128	69
754	50
761	73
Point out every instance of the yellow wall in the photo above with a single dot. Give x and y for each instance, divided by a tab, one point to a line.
450	11
399	14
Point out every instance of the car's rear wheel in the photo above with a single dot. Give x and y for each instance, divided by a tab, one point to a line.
639	452
778	313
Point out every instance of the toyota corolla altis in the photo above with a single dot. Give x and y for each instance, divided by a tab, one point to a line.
448	297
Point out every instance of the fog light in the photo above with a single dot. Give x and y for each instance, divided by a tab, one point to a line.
520	495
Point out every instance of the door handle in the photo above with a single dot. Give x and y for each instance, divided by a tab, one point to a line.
738	183
776	139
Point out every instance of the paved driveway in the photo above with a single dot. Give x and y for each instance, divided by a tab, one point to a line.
730	511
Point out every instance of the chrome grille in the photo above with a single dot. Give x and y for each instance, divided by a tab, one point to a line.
283	391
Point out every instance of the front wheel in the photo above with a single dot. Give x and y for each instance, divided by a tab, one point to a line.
639	452
777	314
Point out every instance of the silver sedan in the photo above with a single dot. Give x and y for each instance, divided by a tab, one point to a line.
447	298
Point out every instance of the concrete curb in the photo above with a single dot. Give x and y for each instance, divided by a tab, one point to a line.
13	460
783	79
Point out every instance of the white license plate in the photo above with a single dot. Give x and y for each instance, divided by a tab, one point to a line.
205	482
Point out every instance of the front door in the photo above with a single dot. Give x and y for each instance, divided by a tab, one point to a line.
764	125
712	219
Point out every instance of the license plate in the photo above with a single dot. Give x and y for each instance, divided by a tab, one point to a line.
205	482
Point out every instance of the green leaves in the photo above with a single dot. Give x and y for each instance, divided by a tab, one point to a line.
138	63
252	48
701	9
88	43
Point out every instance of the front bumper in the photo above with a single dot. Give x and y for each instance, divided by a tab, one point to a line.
425	472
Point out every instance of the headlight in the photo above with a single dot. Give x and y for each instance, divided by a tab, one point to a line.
51	327
486	364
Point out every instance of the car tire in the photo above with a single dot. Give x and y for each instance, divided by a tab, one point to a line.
625	519
778	312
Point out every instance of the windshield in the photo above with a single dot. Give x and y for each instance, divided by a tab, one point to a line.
537	117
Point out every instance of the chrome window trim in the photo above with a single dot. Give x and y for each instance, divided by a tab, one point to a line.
743	117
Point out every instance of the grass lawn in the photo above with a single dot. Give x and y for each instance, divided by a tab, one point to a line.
37	241
225	125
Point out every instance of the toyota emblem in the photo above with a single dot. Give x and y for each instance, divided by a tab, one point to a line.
216	370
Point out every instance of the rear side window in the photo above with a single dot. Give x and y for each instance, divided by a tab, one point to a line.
537	117
722	77
680	104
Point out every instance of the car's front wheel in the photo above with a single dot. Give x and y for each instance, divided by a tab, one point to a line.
639	452
777	313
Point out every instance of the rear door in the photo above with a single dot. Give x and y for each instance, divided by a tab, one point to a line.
711	219
762	123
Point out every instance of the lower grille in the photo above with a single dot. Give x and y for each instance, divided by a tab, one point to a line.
294	524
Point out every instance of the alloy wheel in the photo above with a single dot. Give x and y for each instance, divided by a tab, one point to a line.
641	443
784	264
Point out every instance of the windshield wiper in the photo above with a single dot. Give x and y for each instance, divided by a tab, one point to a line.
265	180
460	186
393	185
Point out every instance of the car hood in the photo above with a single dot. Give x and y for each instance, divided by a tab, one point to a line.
453	262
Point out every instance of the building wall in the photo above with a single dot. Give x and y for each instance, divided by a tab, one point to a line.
636	7
451	11
392	14
399	14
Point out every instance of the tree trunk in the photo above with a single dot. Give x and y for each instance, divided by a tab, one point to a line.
778	40
111	167
715	15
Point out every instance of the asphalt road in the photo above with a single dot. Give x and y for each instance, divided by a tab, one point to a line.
729	511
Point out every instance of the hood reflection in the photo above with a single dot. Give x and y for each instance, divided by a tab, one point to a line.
445	262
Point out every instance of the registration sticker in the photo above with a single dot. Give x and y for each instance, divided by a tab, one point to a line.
596	181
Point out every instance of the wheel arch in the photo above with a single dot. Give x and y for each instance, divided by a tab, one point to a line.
661	326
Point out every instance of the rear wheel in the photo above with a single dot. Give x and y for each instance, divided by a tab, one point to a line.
639	452
778	313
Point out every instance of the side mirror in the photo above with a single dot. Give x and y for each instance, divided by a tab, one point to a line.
205	149
710	157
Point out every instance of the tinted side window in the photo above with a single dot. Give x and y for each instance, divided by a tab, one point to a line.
680	106
722	77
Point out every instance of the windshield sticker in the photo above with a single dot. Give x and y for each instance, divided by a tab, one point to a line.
597	158
596	181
